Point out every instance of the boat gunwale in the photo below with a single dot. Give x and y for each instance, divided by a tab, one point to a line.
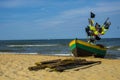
85	44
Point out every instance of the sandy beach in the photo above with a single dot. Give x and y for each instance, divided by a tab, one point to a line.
15	67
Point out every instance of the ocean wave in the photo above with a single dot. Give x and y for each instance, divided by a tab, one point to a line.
114	47
15	53
118	49
63	54
42	45
109	47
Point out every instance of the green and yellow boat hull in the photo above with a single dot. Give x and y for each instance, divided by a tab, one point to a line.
81	48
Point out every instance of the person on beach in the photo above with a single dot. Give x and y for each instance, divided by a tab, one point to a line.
94	32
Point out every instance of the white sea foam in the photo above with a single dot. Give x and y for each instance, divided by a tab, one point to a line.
32	45
15	53
118	49
63	54
109	47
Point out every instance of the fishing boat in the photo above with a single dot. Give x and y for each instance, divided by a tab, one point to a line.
81	48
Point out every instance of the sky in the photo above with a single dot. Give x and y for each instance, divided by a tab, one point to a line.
55	19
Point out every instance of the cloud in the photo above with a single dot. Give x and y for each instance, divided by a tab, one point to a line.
98	8
83	12
19	3
65	16
108	3
31	3
108	7
11	3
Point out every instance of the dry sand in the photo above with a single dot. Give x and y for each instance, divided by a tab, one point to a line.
15	67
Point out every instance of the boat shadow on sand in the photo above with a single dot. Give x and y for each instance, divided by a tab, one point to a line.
60	65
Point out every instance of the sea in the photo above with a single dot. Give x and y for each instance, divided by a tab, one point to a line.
59	47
